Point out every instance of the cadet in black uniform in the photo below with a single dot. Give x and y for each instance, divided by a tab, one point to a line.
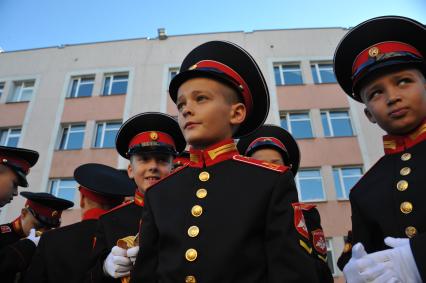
42	212
222	217
61	255
15	164
151	141
275	145
381	63
346	253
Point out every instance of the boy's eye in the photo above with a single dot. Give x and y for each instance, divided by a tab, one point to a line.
374	94
403	81
179	105
201	98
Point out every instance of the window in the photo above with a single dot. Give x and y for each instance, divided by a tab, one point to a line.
1	89
309	185
288	74
63	188
10	137
72	137
115	84
298	124
22	91
106	133
172	73
330	256
323	73
336	124
344	179
81	87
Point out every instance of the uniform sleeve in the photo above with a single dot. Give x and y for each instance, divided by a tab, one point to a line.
287	261
16	257
145	269
98	256
361	230
36	272
418	247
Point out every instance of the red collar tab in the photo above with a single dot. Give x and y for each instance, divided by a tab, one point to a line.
232	74
17	227
17	162
180	160
214	154
94	213
139	198
101	199
396	144
266	141
44	210
380	52
152	138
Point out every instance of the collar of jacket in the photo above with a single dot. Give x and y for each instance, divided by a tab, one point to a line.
395	144
93	213
214	154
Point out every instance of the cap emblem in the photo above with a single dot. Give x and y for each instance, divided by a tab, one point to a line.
373	51
153	136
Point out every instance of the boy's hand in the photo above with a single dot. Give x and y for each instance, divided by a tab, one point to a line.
117	264
132	253
362	268
33	237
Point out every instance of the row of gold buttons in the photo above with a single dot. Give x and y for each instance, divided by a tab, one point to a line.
406	207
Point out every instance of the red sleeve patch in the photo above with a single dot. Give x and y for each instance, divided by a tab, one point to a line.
299	220
171	173
260	163
319	242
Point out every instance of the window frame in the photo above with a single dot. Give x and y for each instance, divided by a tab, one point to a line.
287	116
79	83
104	124
2	86
9	135
69	127
330	248
341	180
316	65
21	84
299	188
111	81
330	124
55	190
169	74
281	67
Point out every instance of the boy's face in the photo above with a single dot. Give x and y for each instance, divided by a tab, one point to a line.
8	185
147	168
28	222
207	112
268	155
396	100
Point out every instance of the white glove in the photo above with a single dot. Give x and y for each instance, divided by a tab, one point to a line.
132	253
117	264
362	268
400	258
33	238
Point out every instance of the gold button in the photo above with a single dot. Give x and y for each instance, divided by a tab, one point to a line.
196	210
406	207
410	231
190	279
191	254
204	176
201	193
406	156
402	185
193	231
405	171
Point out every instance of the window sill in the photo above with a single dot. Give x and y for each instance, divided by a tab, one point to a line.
313	201
342	199
68	149
336	137
301	84
330	83
102	148
78	97
112	94
17	102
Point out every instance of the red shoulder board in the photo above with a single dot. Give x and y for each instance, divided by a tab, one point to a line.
5	229
319	243
260	163
304	206
119	206
299	220
171	173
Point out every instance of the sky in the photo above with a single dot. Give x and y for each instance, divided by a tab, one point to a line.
26	24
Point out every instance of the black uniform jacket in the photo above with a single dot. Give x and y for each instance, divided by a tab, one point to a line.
62	255
10	233
390	200
15	259
119	222
222	218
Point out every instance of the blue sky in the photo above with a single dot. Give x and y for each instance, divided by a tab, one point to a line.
28	24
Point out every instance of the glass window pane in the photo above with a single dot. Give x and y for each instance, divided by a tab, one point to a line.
284	123
63	138
106	86
120	77
325	124
293	77
75	140
119	87
327	75
311	190
337	185
16	92
109	139
314	74
301	129
66	193
330	261
73	88
342	127
13	141
277	76
99	135
85	90
26	94
352	172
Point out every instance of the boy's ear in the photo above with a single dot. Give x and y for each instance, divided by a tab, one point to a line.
369	116
238	113
130	170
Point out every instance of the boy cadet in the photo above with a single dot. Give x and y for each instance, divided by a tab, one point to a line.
381	63
150	141
62	254
15	164
275	145
42	212
222	217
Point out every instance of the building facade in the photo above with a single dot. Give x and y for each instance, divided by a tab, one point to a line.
67	102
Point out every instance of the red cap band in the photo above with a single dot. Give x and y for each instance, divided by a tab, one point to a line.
44	210
242	85
151	138
22	163
380	49
98	197
262	140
